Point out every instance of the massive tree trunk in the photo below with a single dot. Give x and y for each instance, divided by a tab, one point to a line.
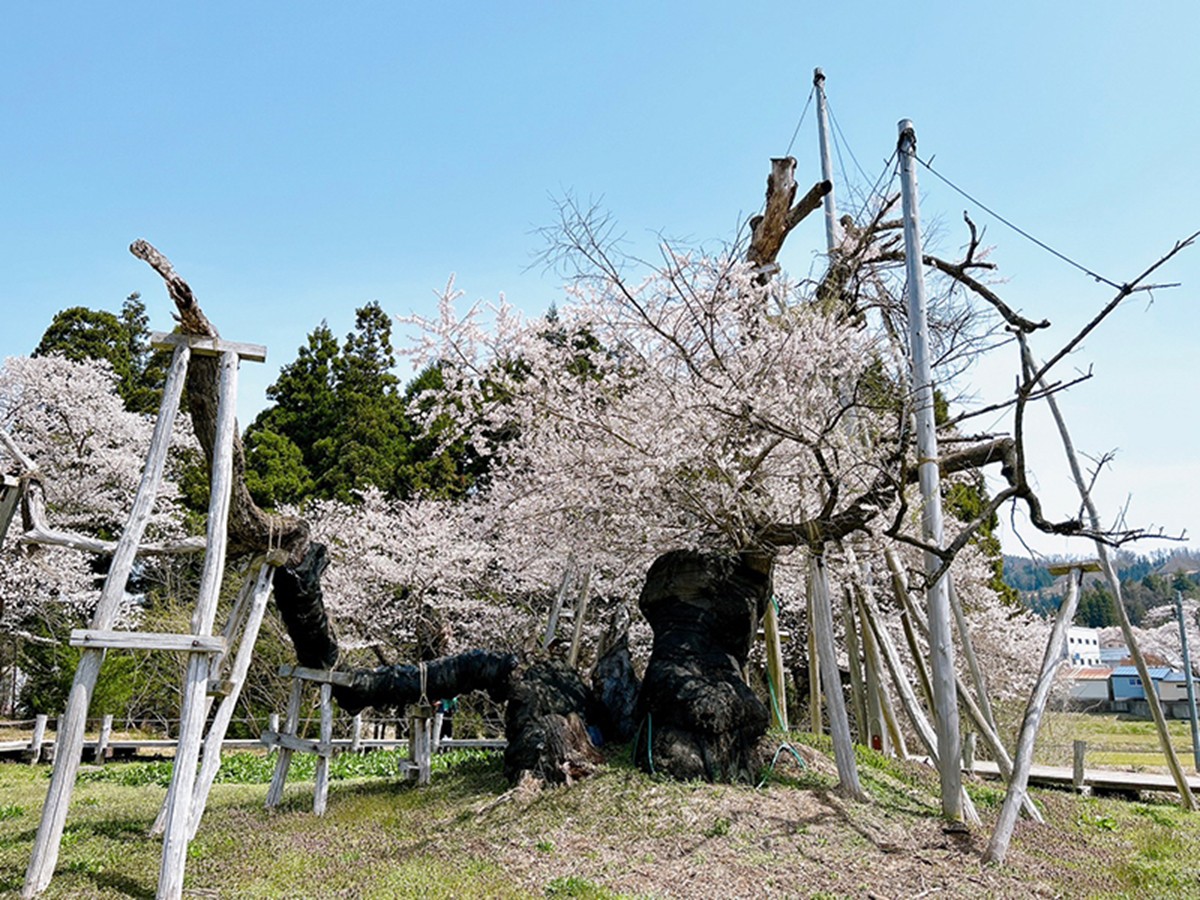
697	716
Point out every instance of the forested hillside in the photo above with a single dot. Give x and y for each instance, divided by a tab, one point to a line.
1147	581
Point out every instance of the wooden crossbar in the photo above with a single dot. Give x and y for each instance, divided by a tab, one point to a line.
319	676
145	640
208	346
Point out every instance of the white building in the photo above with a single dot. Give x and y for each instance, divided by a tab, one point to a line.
1083	647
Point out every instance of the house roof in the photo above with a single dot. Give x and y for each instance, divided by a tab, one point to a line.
1179	676
1090	673
1157	673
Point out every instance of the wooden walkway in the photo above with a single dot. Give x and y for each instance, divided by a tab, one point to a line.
1096	779
126	748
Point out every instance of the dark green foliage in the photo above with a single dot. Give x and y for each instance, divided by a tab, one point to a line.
275	470
80	334
1146	582
1026	574
49	669
340	423
966	501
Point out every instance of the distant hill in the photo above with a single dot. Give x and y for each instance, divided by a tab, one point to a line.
1147	581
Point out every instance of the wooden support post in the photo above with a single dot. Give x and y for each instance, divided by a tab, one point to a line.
321	793
284	761
857	694
356	725
581	606
937	600
1079	750
557	604
259	590
816	722
177	831
900	589
1023	759
882	731
777	685
39	737
438	718
968	752
273	727
103	739
420	743
968	646
839	725
908	698
69	743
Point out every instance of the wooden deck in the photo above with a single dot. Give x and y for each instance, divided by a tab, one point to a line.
1096	779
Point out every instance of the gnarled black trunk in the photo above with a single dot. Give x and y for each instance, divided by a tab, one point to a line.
546	723
301	605
445	678
697	717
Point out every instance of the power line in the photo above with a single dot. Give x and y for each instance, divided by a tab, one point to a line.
1025	234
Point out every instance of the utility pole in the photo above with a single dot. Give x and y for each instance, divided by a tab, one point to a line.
1191	688
833	235
937	598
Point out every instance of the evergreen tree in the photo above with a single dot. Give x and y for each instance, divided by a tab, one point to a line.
80	334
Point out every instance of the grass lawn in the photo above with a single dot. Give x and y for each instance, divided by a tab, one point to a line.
620	833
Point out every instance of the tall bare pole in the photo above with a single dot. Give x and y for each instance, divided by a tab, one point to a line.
941	641
832	232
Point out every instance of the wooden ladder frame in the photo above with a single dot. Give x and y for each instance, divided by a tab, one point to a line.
187	794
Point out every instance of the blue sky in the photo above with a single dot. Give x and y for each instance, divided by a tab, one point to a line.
298	160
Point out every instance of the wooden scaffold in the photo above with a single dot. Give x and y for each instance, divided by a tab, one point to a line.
209	654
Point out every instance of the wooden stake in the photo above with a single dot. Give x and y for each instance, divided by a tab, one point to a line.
997	847
103	739
39	736
909	699
857	699
816	722
839	724
284	761
775	669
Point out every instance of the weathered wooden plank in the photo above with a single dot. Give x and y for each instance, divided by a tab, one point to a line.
203	345
292	744
839	724
145	640
320	676
775	669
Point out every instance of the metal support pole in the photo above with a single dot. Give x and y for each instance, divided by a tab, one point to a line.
941	642
833	236
1191	688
